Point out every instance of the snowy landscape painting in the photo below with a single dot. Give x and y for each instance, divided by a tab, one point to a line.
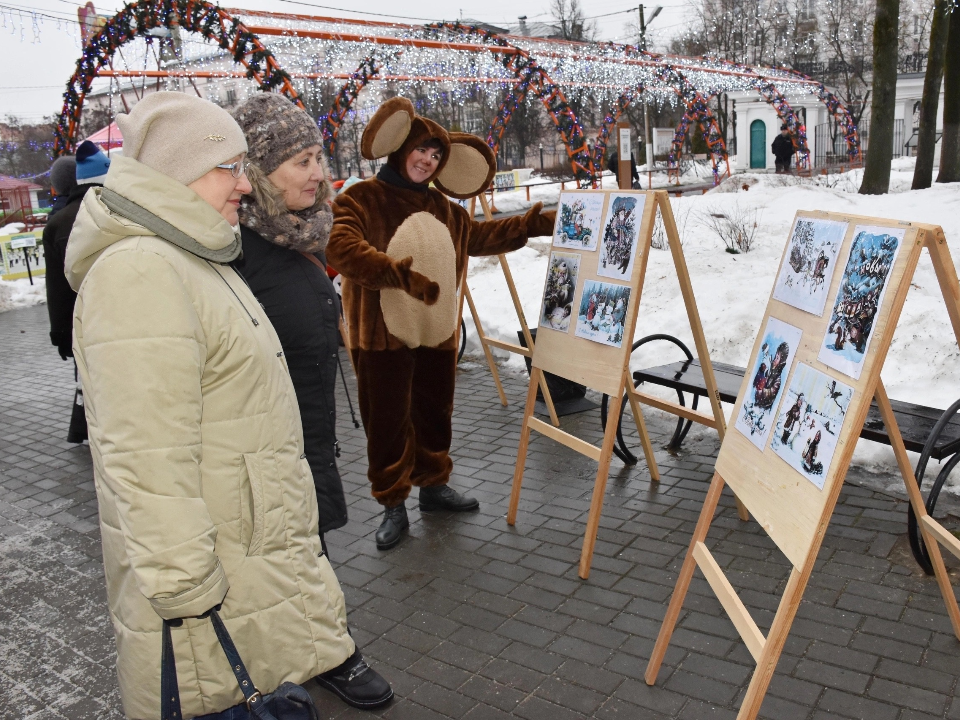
768	375
578	220
873	254
603	309
811	417
621	229
804	279
558	291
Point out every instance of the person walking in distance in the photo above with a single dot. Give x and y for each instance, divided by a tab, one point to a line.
783	150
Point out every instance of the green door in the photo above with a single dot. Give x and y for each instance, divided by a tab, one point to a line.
758	144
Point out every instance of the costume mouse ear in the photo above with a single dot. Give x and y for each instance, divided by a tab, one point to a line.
387	129
469	169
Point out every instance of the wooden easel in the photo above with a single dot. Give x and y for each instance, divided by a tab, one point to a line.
796	514
607	369
487	342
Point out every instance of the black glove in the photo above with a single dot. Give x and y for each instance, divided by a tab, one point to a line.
64	344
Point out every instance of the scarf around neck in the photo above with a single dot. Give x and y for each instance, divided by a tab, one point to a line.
389	175
304	231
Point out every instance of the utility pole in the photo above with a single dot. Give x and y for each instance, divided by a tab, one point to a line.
648	150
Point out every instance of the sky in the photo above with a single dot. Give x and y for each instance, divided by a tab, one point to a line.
39	41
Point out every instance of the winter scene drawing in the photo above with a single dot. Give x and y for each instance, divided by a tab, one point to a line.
558	291
804	279
578	220
603	311
768	378
862	288
809	422
621	228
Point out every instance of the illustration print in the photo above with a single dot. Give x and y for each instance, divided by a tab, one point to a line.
768	377
621	229
603	312
862	288
558	291
804	279
578	220
810	421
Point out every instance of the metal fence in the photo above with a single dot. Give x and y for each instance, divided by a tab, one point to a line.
831	147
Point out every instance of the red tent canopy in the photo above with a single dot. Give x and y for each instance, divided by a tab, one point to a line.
108	137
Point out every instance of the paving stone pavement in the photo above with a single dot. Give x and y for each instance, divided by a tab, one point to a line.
472	619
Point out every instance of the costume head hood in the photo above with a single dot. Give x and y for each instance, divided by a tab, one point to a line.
466	168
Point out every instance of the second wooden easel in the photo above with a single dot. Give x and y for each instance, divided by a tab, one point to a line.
606	368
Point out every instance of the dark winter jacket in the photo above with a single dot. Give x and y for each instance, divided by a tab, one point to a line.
60	296
300	301
782	148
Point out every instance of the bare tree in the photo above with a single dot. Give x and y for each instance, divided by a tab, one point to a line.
569	17
876	171
927	131
950	147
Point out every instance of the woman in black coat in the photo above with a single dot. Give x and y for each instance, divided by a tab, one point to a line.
284	225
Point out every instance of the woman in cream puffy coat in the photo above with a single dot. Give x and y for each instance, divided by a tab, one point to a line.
205	496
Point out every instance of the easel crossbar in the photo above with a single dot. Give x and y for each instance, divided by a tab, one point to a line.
565	438
509	347
736	610
675	408
947	539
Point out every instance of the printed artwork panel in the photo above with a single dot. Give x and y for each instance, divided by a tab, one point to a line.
873	253
804	280
578	220
602	313
558	291
768	378
621	231
811	417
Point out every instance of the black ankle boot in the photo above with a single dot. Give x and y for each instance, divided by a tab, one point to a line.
444	497
391	529
357	684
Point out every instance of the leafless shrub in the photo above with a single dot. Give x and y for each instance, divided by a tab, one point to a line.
681	216
736	228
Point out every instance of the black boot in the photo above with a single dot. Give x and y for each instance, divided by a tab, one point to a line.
391	529
444	497
356	683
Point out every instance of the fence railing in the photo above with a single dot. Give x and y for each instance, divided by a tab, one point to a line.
830	146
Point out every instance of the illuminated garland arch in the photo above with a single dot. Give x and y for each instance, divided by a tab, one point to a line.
135	20
839	112
330	125
532	77
786	113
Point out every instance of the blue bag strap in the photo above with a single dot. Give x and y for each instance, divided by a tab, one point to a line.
170	689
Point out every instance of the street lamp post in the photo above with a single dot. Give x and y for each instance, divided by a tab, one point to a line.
541	157
646	111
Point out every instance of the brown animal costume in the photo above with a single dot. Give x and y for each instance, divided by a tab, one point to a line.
402	250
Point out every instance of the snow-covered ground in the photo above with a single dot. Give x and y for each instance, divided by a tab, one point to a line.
20	293
923	365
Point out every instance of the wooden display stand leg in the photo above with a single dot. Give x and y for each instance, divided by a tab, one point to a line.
644	436
933	532
487	342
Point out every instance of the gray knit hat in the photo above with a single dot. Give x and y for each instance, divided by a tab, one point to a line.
180	135
63	175
276	129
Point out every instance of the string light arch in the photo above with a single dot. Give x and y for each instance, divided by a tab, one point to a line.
137	20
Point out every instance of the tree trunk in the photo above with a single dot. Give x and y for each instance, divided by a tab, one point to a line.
927	140
950	147
876	172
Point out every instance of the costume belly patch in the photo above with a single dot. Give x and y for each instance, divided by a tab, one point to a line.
413	322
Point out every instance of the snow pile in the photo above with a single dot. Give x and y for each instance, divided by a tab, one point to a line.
20	293
923	365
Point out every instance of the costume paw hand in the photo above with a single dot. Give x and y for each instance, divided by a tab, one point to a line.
416	284
539	223
423	288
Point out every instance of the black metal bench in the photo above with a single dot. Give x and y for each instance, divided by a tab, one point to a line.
931	432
